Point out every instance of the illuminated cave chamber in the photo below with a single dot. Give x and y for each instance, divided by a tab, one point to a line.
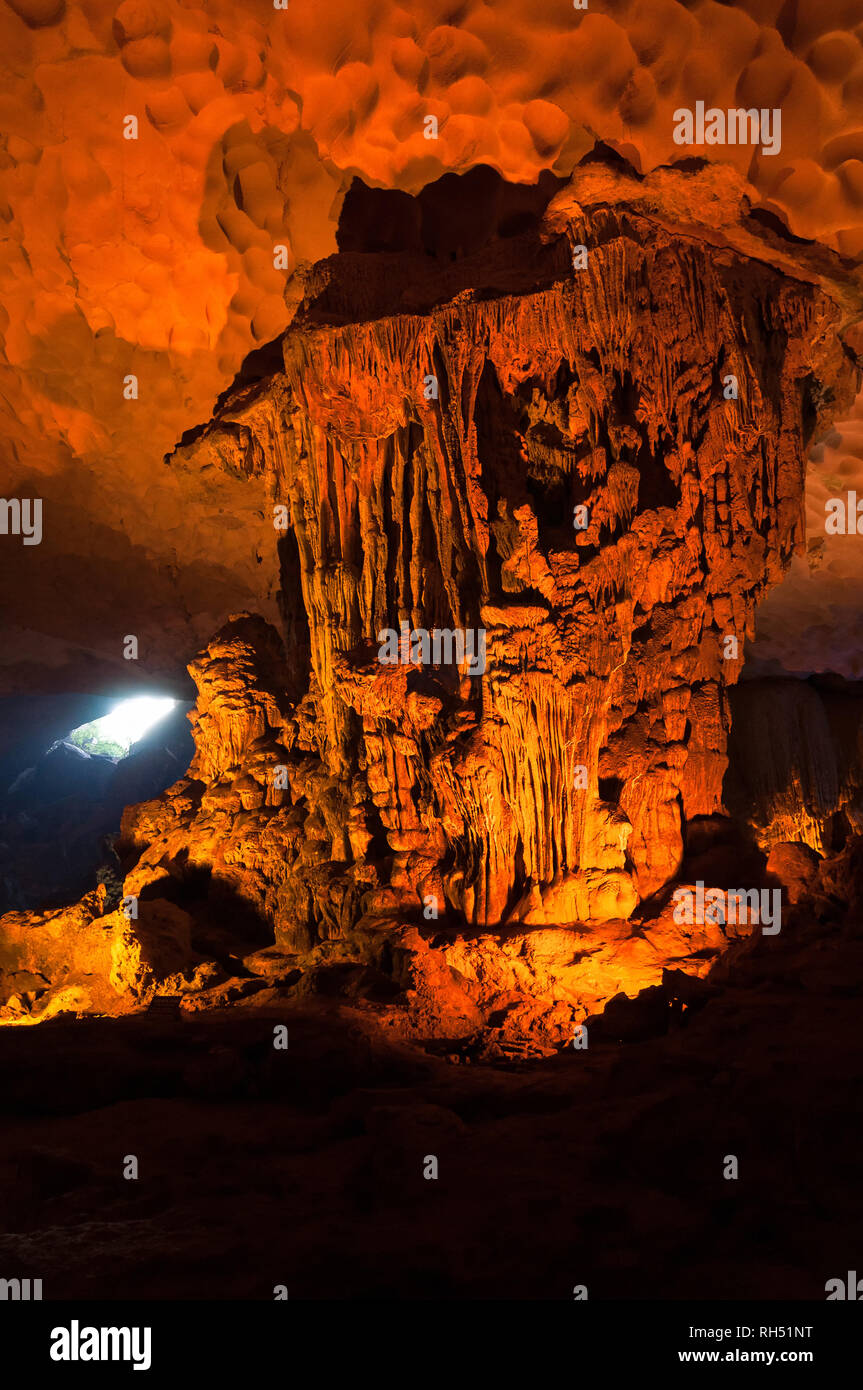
489	853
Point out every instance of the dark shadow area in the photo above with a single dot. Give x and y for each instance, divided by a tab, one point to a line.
313	1156
295	622
193	909
722	853
795	759
611	158
774	223
456	216
409	260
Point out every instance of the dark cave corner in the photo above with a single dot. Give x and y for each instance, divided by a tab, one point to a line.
792	794
795	753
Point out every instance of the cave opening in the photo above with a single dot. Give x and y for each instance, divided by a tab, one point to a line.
113	734
65	783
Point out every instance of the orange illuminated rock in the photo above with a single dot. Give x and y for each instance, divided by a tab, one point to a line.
564	770
171	255
525	503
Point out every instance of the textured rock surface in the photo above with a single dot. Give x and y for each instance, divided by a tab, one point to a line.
795	866
797	762
312	1158
154	256
813	621
332	798
606	647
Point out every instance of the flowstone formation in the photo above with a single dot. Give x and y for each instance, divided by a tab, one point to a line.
585	443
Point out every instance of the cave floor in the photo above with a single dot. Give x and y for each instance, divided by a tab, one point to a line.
304	1167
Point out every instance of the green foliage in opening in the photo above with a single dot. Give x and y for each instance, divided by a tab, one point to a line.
91	740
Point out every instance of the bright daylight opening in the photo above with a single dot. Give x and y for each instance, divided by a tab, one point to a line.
115	733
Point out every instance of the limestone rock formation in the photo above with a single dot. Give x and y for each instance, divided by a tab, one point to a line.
795	866
607	648
591	469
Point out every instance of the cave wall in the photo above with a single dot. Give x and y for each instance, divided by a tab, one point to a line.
796	762
429	825
606	648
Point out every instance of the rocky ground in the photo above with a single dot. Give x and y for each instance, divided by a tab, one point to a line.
304	1167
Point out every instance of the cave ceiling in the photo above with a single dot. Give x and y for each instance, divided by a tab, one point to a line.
153	257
